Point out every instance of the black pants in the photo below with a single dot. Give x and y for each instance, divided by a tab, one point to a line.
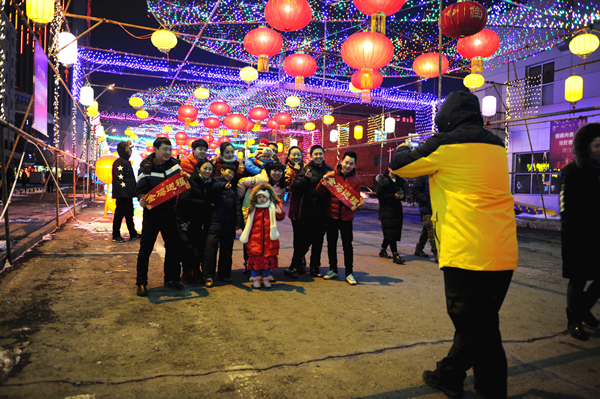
163	223
124	209
473	300
296	240
193	242
393	245
580	301
213	242
427	233
311	235
345	230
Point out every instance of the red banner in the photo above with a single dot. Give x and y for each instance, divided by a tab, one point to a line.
166	190
562	134
342	191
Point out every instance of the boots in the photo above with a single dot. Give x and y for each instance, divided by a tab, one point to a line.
383	254
575	327
256	281
266	281
586	314
419	252
398	259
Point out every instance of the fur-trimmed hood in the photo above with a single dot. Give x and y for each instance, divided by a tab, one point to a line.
581	144
262	187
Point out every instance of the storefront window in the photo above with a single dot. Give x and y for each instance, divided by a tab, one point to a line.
525	181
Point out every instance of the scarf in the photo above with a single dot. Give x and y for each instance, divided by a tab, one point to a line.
274	234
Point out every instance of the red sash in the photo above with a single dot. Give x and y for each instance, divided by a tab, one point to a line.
343	191
166	190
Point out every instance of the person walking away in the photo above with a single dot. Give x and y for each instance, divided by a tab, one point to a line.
312	213
339	216
580	215
198	156
421	194
154	170
123	191
390	193
294	163
260	235
225	220
193	220
475	227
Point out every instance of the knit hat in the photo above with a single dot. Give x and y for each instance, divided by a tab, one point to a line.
264	149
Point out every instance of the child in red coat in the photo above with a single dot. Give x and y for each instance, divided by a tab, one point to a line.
260	234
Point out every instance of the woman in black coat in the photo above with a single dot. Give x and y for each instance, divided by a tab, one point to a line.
580	216
390	192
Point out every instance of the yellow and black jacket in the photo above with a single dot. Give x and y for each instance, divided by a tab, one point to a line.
473	210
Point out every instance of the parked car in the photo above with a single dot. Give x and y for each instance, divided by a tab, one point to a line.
367	192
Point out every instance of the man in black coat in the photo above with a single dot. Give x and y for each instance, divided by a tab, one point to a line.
123	190
155	169
421	194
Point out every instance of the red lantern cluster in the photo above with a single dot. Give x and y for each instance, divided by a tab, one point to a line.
427	65
367	51
264	43
219	108
208	138
259	113
376	80
236	122
283	118
378	10
463	19
187	114
299	66
271	124
288	15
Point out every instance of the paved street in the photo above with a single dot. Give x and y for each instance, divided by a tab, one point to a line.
72	325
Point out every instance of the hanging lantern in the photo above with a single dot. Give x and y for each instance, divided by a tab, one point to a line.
249	125
353	89
248	74
427	65
283	119
328	120
187	114
292	101
264	43
223	132
86	95
166	136
299	66
194	123
389	125
378	10
40	11
164	40
128	132
473	81
142	114
334	135
279	147
488	106
211	123
367	51
256	127
136	102
584	44
477	47
293	142
271	124
201	93
134	137
236	122
258	113
92	110
463	19
208	138
219	108
358	132
104	168
181	136
167	129
240	155
309	126
180	142
288	15
213	146
67	44
374	78
573	89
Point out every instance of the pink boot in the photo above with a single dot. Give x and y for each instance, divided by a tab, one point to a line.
256	281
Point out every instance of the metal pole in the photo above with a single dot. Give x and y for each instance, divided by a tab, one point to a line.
5	197
57	188
74	185
88	162
440	58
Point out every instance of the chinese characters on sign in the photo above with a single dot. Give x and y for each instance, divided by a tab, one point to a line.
342	191
166	190
561	142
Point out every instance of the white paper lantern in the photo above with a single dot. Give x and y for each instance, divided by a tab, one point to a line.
390	125
488	106
99	131
334	135
68	55
293	143
86	96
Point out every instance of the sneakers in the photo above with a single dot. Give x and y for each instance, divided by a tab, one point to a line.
119	239
315	272
383	254
330	275
350	279
419	252
398	259
430	379
135	237
176	285
291	273
142	290
209	283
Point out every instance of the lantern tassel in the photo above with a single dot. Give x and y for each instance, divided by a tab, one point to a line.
366	78
477	65
299	83
263	63
366	96
257	125
378	23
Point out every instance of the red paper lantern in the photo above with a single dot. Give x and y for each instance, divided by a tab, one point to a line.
208	138
236	122
463	19
218	108
180	142
181	151
367	51
377	80
213	146
288	15
187	114
211	123
427	65
190	140
283	118
223	139
162	135
259	113
181	136
477	47
149	148
378	9
264	43
271	124
299	66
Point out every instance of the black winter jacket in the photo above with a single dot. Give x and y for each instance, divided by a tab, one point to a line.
227	209
151	175
421	194
123	178
390	208
312	205
194	204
